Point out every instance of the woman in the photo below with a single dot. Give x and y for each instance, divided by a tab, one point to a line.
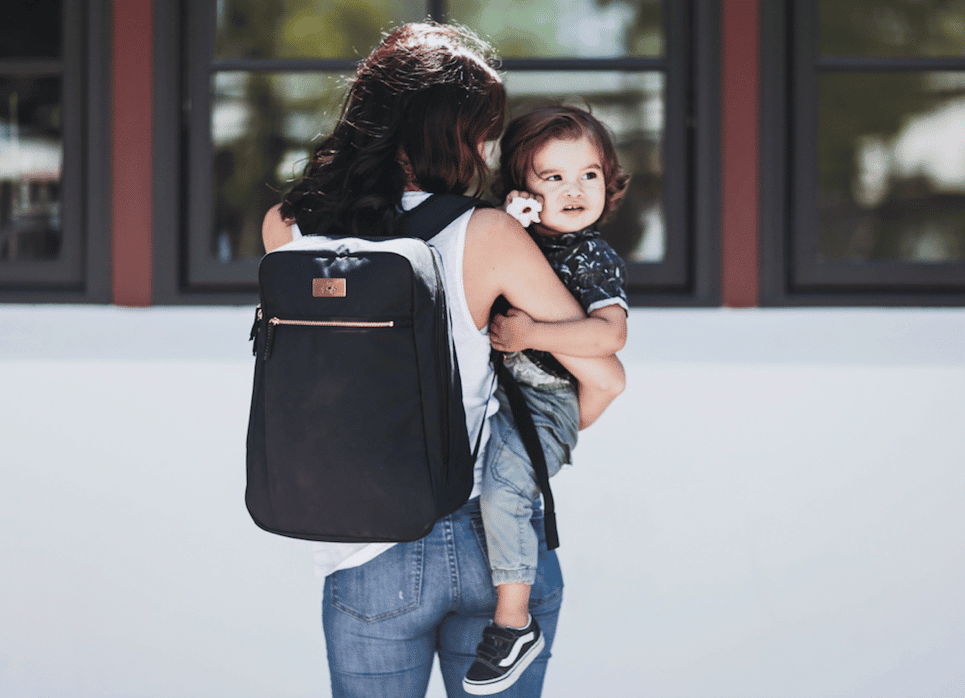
416	120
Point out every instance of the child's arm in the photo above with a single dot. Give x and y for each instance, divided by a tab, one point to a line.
585	347
600	377
602	334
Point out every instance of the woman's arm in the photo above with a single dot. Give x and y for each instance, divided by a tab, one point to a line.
599	384
602	334
275	231
501	259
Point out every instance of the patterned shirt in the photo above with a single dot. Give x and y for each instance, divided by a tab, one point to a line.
593	273
587	266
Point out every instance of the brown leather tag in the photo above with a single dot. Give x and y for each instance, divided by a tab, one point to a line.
328	288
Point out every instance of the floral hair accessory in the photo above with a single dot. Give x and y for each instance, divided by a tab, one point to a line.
526	211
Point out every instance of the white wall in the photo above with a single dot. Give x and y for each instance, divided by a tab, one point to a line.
774	508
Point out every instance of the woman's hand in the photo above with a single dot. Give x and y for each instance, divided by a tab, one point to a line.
508	332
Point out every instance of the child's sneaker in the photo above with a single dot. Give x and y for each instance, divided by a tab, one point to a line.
501	657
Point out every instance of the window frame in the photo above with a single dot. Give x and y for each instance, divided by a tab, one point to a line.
791	274
689	274
82	271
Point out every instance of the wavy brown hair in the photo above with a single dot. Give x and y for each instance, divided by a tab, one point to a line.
416	113
526	134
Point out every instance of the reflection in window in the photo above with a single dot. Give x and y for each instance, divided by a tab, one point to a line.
892	27
892	166
308	28
31	158
263	126
571	28
632	107
268	122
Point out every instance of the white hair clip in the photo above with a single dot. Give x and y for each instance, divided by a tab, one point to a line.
526	211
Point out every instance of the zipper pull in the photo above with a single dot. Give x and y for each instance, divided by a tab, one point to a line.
271	333
255	327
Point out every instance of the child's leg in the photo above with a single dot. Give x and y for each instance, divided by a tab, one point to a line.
512	605
509	490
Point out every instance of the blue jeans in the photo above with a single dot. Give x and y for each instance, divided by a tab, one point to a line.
509	485
385	620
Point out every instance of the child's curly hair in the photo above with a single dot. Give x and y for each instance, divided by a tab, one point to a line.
526	134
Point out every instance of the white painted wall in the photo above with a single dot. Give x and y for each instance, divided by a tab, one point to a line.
776	507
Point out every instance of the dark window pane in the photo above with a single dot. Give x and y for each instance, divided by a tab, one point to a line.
632	106
891	166
263	126
896	28
31	157
574	28
30	29
308	28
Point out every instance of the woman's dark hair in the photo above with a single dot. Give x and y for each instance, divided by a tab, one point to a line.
416	113
527	134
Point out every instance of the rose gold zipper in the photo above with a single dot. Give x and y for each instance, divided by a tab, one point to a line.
276	321
331	323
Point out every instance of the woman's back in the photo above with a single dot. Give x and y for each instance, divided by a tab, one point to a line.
418	113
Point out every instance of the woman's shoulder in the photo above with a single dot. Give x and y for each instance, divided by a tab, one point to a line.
496	227
275	230
499	247
496	239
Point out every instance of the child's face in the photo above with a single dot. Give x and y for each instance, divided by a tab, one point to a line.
568	177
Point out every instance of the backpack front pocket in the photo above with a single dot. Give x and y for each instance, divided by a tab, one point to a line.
335	455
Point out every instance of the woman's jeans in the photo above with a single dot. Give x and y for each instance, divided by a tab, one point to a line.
509	484
385	620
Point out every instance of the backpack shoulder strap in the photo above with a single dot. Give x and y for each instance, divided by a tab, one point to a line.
534	449
429	218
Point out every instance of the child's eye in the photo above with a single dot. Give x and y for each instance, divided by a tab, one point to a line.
590	175
553	178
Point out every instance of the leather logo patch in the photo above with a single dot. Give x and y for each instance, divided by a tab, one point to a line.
328	288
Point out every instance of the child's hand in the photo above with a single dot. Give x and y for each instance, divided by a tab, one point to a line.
508	332
523	206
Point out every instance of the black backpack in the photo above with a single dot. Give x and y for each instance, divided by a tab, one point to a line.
357	430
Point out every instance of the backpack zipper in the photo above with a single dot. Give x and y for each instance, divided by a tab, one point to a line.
365	324
333	323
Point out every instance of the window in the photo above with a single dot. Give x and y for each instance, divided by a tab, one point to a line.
44	133
265	79
875	150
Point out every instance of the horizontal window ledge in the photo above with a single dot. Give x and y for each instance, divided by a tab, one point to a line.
31	67
349	64
867	64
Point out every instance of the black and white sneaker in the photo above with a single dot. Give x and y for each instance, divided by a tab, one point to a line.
502	657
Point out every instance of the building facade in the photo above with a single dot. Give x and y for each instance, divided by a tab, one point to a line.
783	153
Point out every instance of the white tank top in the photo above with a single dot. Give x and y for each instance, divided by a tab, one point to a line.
475	372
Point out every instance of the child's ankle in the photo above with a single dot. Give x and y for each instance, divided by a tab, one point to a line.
512	605
511	620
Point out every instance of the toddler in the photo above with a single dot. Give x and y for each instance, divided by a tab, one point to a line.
561	177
